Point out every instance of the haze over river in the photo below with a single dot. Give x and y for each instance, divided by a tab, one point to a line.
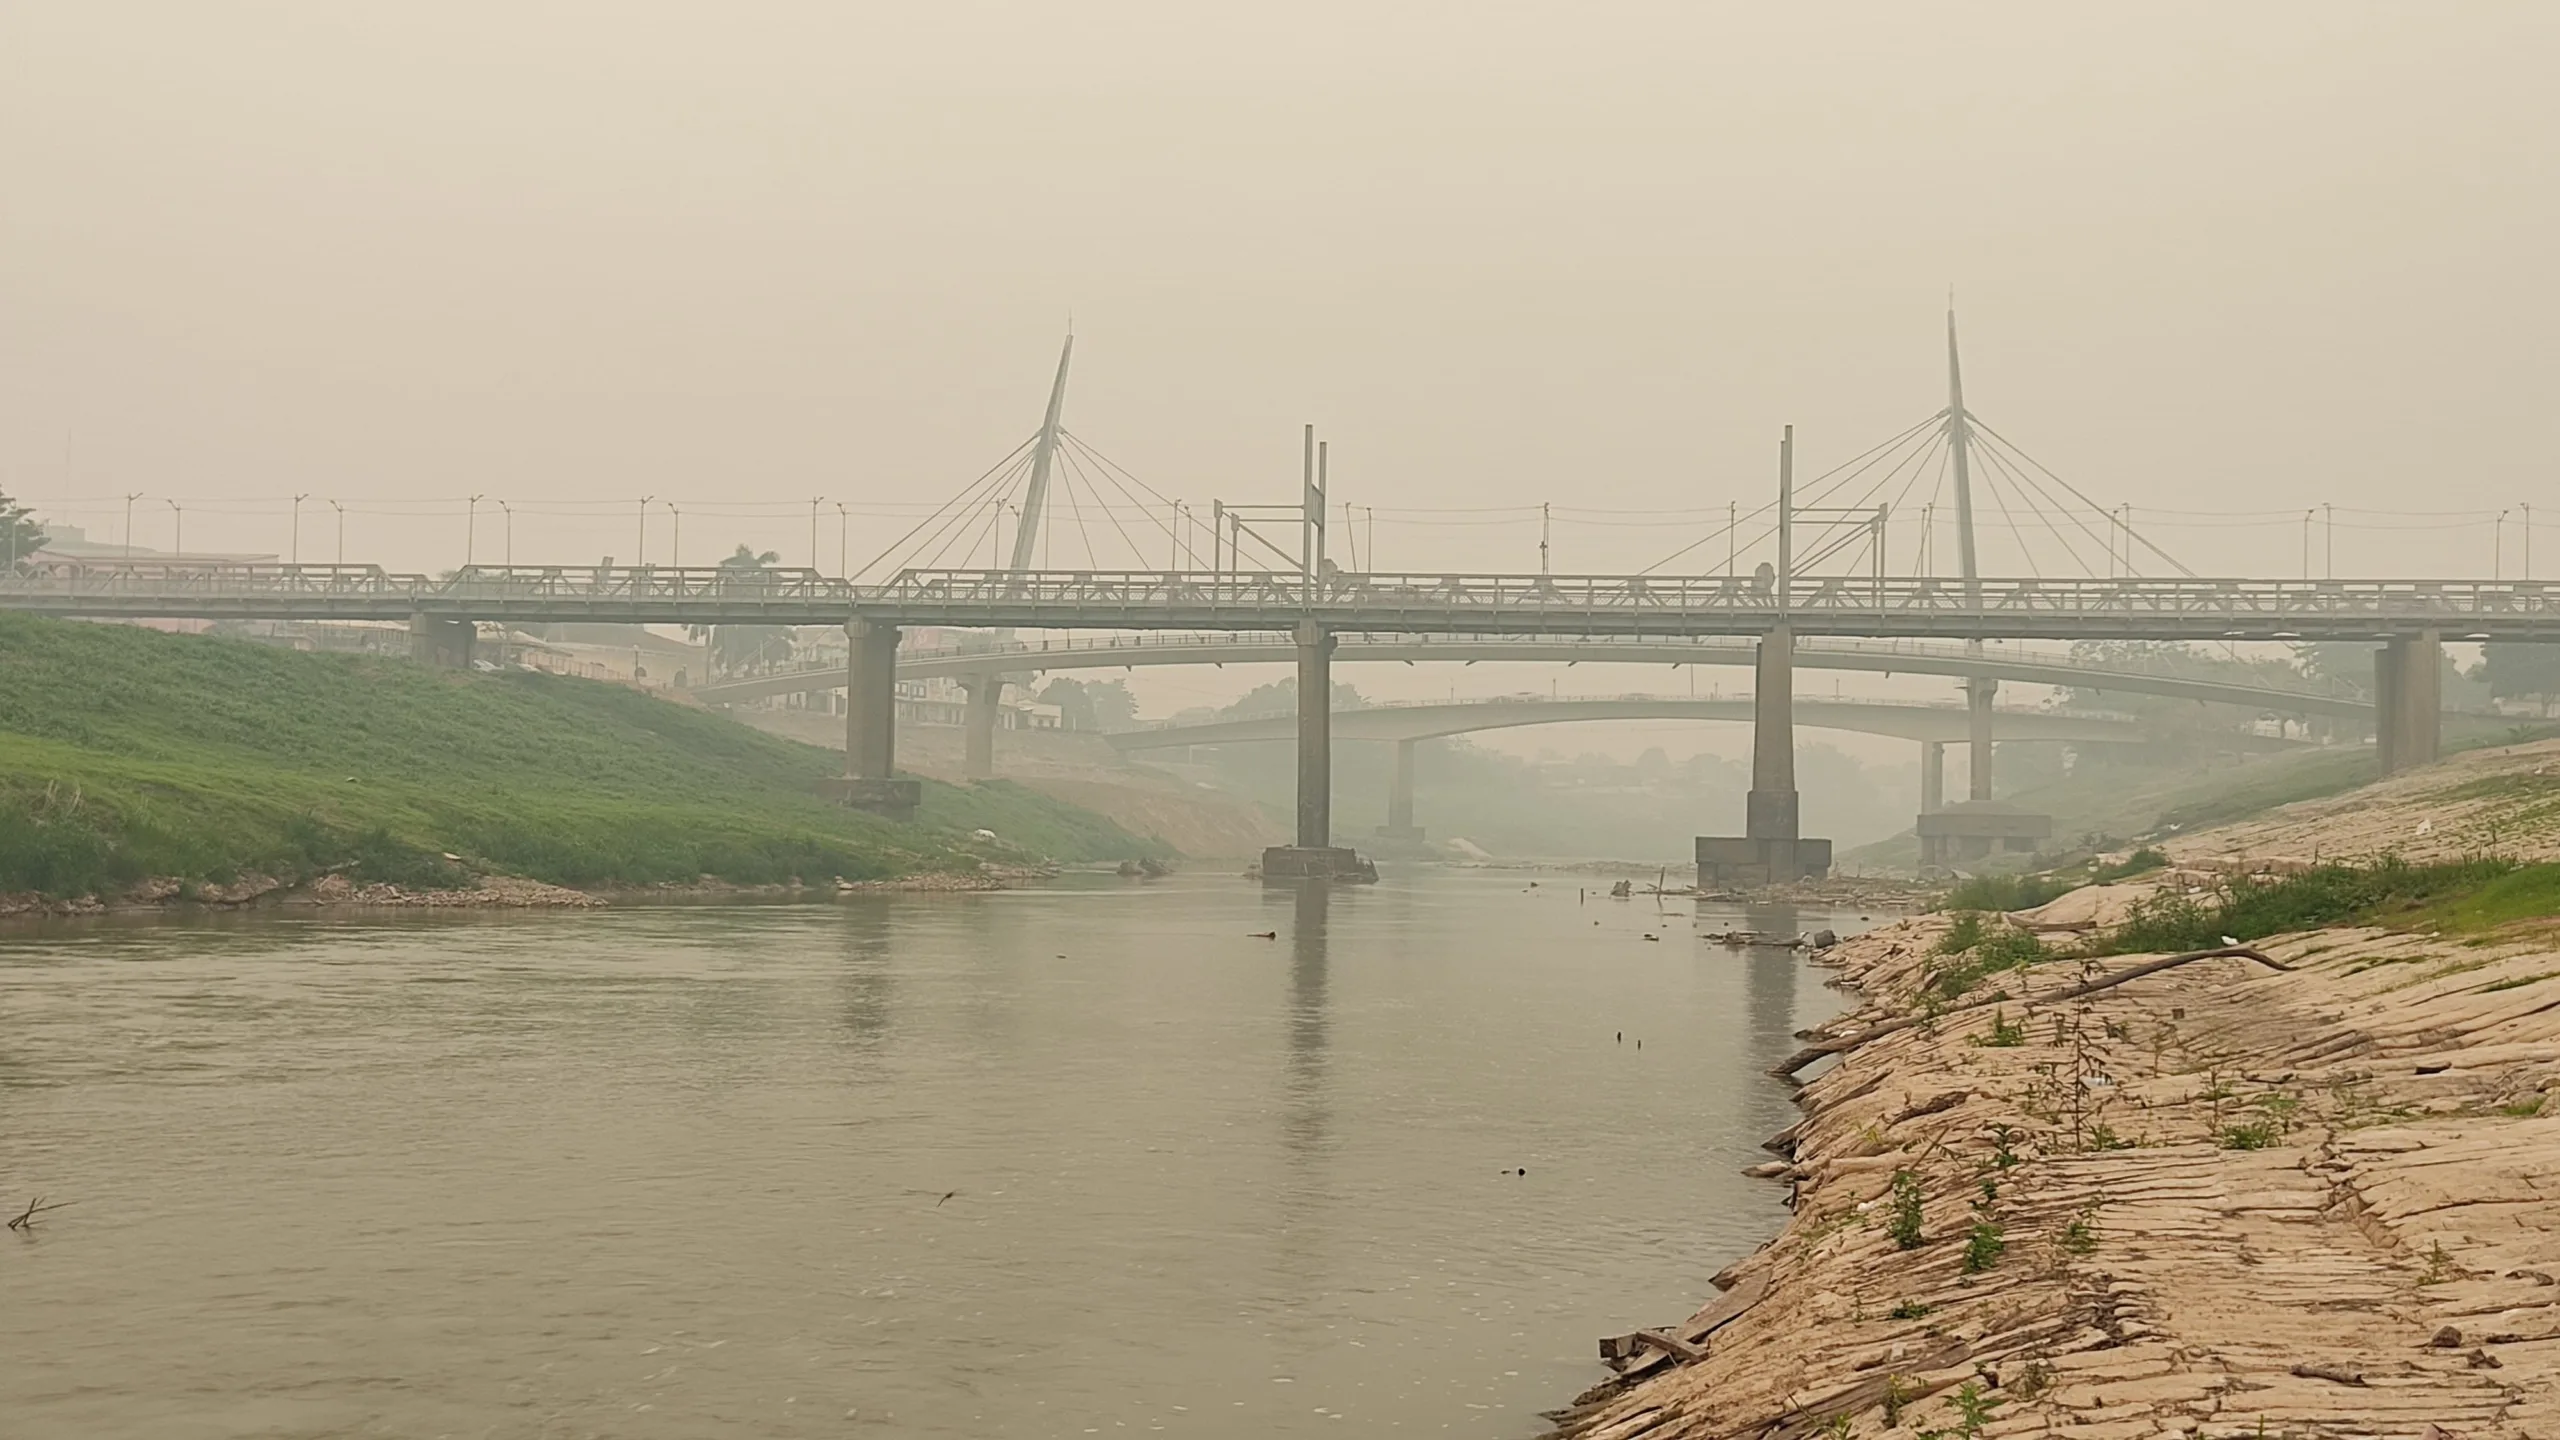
683	1172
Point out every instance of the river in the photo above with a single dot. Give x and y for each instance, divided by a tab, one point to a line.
1090	1158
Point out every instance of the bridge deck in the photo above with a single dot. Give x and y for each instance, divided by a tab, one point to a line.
1436	604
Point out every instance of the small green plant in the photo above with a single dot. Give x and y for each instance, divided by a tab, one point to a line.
2080	1233
2140	862
1983	1247
2529	1106
2003	1146
1897	1393
2440	1266
2255	1134
1973	1408
2281	1108
1910	1310
1840	1428
1904	1224
2103	1136
2005	1033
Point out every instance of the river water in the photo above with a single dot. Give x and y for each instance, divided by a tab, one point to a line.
1085	1159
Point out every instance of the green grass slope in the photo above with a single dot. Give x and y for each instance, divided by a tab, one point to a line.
127	753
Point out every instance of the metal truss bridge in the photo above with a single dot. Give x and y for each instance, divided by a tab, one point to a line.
1565	606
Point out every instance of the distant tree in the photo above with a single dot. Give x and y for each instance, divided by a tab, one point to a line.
20	535
2519	670
745	649
1104	705
1280	697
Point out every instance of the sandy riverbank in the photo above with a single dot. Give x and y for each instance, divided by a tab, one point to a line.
2219	1200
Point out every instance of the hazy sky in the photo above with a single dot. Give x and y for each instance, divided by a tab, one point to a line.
2210	257
2227	256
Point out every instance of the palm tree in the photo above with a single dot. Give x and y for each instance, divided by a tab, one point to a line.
739	649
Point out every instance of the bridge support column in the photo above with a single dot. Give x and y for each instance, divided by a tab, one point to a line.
1315	857
986	707
1771	849
1978	694
1400	827
444	644
871	724
2408	701
1933	795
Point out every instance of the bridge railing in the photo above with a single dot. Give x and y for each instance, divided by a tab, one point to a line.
2255	600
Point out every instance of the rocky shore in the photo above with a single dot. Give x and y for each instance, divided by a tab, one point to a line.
2222	1198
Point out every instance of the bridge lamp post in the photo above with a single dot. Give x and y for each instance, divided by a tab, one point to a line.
813	530
640	553
2528	540
2306	544
675	546
470	527
128	523
178	541
293	541
844	540
510	512
2498	547
342	530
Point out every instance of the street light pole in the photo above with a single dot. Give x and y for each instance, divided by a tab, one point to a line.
813	530
128	523
510	512
293	549
2498	547
675	550
178	542
640	556
2329	540
844	540
342	530
470	527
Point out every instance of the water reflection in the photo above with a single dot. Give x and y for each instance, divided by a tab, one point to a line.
1771	976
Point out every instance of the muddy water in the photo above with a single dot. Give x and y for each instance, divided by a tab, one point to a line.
1080	1160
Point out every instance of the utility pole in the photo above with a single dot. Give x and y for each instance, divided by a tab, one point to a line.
342	530
844	540
470	527
2328	541
1786	514
293	551
1035	498
178	542
2498	547
1546	532
2306	544
1732	532
813	530
510	512
2528	539
675	550
640	552
128	524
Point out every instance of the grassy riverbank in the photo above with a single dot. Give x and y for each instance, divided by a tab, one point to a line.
126	754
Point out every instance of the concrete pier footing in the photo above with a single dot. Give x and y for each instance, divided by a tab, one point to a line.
1772	848
2408	701
871	780
445	644
978	726
1315	858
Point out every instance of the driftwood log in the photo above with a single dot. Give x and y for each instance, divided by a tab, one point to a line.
1842	1046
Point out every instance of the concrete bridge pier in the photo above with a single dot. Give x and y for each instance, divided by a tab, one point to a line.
1979	692
871	724
444	644
1771	850
1400	827
986	707
1315	857
2408	701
